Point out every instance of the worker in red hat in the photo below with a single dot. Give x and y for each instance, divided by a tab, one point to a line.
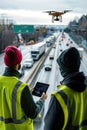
17	107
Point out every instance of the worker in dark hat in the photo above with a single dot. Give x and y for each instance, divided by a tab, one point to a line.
68	108
17	107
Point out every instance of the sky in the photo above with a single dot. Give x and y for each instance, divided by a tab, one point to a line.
32	11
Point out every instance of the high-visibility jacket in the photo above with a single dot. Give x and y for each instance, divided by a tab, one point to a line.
74	106
12	116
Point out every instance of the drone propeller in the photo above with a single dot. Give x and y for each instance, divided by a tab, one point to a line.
49	12
65	11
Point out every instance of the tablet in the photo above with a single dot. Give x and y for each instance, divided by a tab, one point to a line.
40	88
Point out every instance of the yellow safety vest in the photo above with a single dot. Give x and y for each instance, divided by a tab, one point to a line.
12	116
74	106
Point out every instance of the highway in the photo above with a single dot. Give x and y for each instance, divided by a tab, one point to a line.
52	77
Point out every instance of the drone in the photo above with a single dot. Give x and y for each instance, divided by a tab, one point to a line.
57	15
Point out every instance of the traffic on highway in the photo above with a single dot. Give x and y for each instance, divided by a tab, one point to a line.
39	65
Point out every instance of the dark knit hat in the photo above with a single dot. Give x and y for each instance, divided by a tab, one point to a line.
12	56
69	60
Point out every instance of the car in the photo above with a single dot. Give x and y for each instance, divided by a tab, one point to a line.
28	63
71	42
54	46
48	67
51	57
21	71
62	38
67	44
61	49
60	43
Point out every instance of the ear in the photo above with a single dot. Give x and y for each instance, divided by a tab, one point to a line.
19	66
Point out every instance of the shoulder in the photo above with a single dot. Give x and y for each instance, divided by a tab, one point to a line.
23	87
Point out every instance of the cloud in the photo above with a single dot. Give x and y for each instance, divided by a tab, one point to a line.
31	11
43	4
36	17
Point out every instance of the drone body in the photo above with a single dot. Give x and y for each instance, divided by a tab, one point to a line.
57	15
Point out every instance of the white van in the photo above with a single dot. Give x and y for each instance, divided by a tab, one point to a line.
28	63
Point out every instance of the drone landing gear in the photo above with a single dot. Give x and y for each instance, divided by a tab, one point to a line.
60	18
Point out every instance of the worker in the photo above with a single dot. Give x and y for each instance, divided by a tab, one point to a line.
17	107
68	108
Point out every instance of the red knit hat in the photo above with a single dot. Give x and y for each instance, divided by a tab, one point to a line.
12	56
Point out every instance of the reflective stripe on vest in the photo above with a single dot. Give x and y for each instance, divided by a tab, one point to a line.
65	104
62	98
13	119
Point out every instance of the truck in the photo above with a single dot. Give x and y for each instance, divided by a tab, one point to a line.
48	43
37	50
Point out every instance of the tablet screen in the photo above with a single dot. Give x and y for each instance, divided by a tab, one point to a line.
40	88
